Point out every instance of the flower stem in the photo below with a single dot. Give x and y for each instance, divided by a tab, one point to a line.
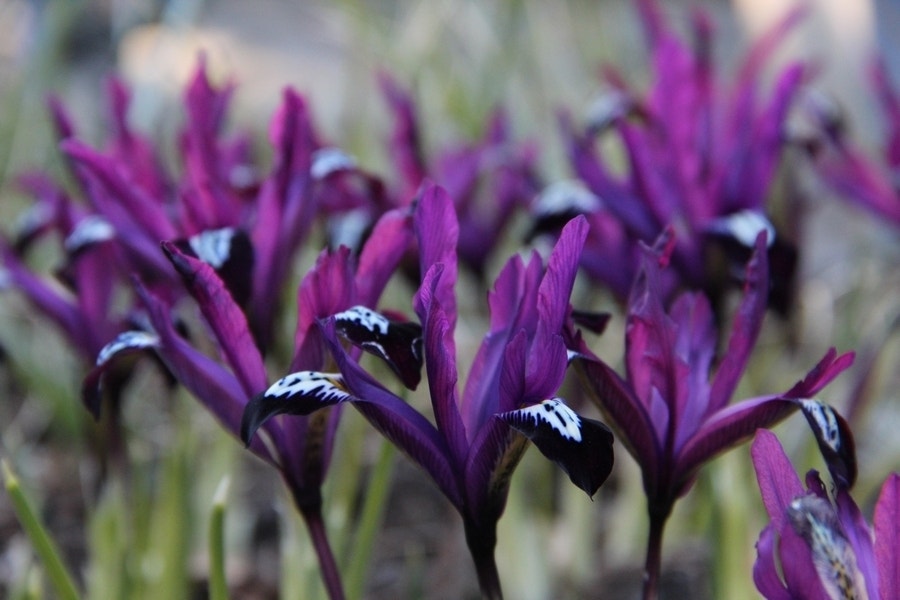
481	541
652	565
312	516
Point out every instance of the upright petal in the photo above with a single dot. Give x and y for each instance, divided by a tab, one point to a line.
326	289
745	330
778	482
398	421
405	144
224	316
391	237
887	537
765	569
559	278
435	303
624	412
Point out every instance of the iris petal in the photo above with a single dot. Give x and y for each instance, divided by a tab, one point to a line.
299	393
582	447
835	441
398	344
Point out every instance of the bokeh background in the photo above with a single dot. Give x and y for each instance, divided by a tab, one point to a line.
461	58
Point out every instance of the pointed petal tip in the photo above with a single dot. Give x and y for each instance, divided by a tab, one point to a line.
300	394
251	420
835	440
582	447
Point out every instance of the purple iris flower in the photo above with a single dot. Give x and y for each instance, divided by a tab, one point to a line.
471	448
819	546
488	180
218	209
845	167
701	158
300	448
667	411
248	228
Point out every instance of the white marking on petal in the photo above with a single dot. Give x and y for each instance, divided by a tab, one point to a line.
35	217
566	196
242	176
744	226
326	161
814	519
213	246
607	108
6	279
826	422
324	386
125	341
348	228
89	230
557	415
365	317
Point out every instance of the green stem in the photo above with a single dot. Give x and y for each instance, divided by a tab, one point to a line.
218	586
40	539
370	521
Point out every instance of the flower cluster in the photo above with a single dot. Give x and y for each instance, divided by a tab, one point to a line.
191	268
701	158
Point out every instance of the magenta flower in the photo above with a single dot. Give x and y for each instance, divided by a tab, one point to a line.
300	447
667	411
701	157
817	546
248	228
488	180
846	168
471	448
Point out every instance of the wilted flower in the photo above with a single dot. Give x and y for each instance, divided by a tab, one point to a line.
471	449
667	411
817	546
701	158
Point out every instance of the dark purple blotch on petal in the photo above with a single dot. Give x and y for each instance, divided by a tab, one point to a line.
835	441
582	447
229	252
399	344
